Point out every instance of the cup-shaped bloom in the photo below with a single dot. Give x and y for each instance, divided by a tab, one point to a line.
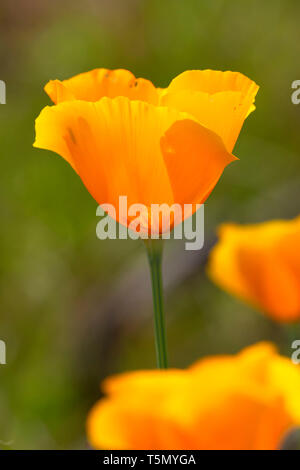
246	401
124	137
260	263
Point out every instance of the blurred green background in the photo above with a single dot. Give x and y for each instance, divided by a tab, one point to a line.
75	309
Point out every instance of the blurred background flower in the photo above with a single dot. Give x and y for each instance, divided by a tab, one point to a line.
243	402
74	309
261	264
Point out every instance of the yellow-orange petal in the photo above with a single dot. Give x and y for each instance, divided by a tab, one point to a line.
120	426
93	85
246	401
260	264
214	81
122	147
220	112
194	166
220	101
157	423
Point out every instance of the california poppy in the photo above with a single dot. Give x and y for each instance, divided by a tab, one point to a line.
260	263
123	136
164	147
245	401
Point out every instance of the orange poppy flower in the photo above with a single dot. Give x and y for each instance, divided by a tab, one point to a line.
123	136
247	401
261	264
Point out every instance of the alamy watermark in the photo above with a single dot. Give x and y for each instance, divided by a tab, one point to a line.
179	222
2	352
2	92
296	354
295	97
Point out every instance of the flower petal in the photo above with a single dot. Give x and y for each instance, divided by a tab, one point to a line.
122	147
271	283
221	112
214	81
245	401
220	101
261	264
93	85
195	158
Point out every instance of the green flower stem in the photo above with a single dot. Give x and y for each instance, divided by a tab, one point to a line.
154	251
